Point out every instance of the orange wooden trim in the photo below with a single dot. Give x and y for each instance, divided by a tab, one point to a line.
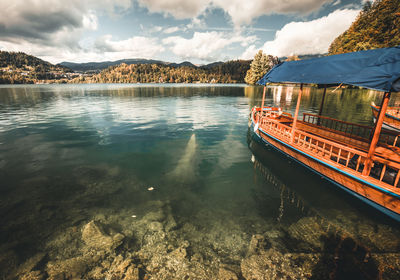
375	195
274	127
262	103
377	132
296	113
322	105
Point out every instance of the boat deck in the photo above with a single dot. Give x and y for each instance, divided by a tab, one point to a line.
384	150
344	145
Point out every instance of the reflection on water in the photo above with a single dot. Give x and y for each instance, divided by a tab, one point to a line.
157	182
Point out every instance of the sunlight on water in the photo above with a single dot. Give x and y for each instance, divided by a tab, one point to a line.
157	181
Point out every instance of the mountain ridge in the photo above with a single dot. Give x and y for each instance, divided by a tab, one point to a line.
101	65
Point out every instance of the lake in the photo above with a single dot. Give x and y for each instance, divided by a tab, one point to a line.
163	181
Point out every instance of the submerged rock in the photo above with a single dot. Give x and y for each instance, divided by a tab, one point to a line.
31	265
272	264
33	275
226	274
73	268
93	235
309	231
122	269
389	265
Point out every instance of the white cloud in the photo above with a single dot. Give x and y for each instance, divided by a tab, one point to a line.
154	29
241	12
52	29
311	37
42	21
206	46
89	21
172	29
249	53
104	48
180	9
134	47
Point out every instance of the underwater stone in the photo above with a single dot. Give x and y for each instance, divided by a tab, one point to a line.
170	224
272	264
154	216
96	273
94	236
72	268
33	275
257	242
308	230
226	274
122	269
155	226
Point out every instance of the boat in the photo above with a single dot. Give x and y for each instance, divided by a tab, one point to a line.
391	121
362	160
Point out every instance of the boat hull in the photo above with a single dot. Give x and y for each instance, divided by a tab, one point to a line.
390	122
389	127
350	184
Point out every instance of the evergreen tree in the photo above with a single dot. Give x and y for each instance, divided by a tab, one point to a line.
377	26
260	65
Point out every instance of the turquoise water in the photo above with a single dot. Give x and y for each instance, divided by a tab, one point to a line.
118	154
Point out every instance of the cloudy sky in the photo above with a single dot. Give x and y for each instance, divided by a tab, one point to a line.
200	31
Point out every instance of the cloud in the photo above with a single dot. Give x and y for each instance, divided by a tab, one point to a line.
52	29
311	37
179	9
241	12
171	30
134	47
104	48
207	46
39	20
249	53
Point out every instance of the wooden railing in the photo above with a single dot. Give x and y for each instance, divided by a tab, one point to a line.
352	129
347	128
383	170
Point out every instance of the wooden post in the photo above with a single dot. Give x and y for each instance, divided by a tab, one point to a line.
262	104
321	107
296	113
377	132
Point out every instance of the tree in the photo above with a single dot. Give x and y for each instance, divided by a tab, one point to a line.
377	26
260	65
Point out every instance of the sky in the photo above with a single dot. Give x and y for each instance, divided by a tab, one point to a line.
200	31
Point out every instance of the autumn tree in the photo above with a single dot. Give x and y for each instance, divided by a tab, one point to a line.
377	26
260	65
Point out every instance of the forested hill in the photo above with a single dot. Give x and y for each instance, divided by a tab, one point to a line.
18	68
23	60
228	72
377	26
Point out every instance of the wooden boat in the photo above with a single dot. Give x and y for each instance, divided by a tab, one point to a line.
391	121
362	160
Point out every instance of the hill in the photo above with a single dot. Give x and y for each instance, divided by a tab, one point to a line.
98	66
23	68
377	26
228	72
18	67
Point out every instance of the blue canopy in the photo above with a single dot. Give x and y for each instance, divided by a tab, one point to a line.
377	69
